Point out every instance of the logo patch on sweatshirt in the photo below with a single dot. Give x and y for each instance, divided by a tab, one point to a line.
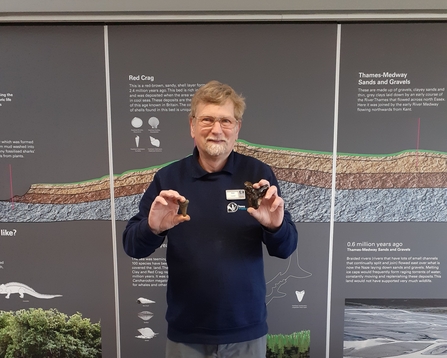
233	207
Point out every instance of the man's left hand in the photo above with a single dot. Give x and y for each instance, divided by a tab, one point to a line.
271	209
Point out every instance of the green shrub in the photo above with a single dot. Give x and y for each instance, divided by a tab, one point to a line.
292	345
36	333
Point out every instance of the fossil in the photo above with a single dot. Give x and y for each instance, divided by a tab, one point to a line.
183	207
253	195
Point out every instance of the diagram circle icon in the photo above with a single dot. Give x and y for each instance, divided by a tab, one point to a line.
137	122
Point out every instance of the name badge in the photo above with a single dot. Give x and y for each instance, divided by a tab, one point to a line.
235	194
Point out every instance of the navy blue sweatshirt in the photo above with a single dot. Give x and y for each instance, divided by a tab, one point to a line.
216	286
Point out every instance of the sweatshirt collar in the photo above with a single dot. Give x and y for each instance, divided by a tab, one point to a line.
197	171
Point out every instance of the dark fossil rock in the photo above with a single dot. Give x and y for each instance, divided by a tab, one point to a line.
183	206
253	195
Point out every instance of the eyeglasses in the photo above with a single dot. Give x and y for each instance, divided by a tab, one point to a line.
208	122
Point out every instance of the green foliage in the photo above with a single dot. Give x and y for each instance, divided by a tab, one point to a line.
291	345
36	333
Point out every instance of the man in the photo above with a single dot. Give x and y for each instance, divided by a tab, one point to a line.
216	287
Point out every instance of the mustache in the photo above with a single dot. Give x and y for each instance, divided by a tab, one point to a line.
217	139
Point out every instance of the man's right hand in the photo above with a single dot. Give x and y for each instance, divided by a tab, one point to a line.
164	211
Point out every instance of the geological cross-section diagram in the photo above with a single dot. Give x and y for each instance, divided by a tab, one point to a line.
398	187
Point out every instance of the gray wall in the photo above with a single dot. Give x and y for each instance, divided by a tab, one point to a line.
50	7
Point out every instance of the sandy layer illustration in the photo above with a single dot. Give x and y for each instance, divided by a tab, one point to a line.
407	169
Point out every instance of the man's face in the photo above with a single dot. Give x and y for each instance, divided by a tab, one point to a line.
214	142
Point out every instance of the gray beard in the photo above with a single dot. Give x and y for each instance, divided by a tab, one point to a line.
216	149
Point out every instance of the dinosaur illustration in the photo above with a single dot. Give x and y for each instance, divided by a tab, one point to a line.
20	288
